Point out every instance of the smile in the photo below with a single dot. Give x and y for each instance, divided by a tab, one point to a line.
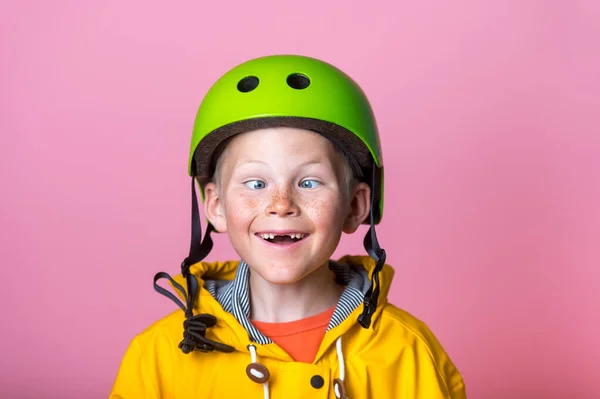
281	238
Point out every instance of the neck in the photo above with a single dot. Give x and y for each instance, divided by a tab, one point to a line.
279	303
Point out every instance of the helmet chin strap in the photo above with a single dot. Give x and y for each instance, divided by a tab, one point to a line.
378	254
195	326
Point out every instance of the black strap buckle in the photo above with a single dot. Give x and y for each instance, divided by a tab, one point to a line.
371	244
195	326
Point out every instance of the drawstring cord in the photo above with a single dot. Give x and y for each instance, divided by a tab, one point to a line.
338	384
258	373
340	356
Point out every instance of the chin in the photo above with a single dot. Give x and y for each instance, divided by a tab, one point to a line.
280	276
282	272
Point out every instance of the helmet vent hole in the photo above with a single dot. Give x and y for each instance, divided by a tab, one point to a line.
248	84
298	81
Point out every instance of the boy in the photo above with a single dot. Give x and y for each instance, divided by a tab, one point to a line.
287	155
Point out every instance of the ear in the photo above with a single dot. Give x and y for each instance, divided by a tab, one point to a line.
360	205
213	208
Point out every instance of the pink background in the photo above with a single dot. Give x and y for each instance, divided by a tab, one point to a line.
489	118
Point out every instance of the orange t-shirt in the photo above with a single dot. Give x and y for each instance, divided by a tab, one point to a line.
301	338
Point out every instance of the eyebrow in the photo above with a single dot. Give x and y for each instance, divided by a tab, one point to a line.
250	161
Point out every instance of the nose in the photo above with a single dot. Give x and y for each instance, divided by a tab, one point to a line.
282	204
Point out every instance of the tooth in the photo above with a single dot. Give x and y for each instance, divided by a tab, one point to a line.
265	236
300	235
271	236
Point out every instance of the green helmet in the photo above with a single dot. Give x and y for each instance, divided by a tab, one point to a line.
291	91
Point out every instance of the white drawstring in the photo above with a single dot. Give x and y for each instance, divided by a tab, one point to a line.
340	356
266	383
338	384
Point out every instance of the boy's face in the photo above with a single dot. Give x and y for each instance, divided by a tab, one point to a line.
285	183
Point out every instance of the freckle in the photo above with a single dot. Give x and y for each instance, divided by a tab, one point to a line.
318	206
249	202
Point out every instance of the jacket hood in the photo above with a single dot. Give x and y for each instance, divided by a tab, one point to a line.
229	330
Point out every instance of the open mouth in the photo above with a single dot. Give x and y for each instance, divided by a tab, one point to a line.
282	239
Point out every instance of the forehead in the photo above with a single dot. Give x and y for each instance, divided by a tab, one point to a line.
280	142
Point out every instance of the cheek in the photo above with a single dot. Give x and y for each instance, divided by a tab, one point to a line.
240	209
326	210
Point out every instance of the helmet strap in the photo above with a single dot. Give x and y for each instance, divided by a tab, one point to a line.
378	254
194	334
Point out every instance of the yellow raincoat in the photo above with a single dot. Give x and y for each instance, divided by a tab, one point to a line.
397	357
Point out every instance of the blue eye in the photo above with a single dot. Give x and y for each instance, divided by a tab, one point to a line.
256	184
309	183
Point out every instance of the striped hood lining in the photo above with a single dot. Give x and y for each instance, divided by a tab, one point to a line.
233	295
